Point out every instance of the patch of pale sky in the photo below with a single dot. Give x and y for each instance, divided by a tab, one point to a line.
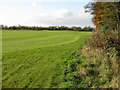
34	13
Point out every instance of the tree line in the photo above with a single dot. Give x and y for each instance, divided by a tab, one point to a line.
73	28
106	18
106	15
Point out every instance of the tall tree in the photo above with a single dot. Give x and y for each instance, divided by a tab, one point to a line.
106	14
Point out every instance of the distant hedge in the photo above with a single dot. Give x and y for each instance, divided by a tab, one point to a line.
73	28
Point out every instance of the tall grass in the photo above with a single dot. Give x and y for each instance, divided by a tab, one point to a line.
96	65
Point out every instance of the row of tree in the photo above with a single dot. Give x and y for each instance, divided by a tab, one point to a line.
106	14
74	28
106	17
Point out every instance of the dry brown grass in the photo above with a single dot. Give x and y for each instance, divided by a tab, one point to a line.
102	60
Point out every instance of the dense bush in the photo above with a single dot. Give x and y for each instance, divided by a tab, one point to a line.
96	65
98	41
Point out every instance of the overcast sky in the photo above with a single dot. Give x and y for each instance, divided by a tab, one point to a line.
44	12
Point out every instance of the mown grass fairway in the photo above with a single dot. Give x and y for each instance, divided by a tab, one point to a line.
35	58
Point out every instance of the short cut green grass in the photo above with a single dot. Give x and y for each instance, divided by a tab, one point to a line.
34	58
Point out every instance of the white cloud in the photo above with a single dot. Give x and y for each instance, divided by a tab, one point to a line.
64	17
38	14
14	14
34	4
62	13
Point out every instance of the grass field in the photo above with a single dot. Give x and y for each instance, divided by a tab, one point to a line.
35	58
